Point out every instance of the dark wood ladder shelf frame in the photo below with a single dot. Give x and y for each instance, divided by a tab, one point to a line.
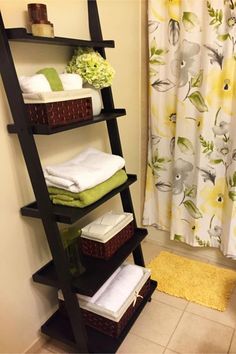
71	329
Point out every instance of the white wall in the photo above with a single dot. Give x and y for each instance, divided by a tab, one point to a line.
24	305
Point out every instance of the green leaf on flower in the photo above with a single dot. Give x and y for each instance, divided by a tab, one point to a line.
152	72
179	238
198	101
216	161
185	145
190	20
191	191
202	243
156	54
156	60
208	145
192	209
196	81
232	196
217	15
234	179
223	37
153	47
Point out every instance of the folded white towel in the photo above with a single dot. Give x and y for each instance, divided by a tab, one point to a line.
34	84
120	288
71	81
106	227
85	171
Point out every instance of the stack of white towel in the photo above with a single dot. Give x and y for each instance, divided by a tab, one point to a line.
88	169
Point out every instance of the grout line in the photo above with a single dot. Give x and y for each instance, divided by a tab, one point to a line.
166	303
205	318
174	330
230	344
147	339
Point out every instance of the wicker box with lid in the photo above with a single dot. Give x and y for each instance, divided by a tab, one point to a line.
102	317
59	107
103	237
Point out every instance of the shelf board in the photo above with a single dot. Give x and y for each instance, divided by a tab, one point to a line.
96	271
43	129
58	327
69	215
21	35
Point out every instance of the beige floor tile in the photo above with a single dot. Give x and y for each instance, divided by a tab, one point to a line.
190	255
170	300
233	345
157	322
41	351
151	250
195	334
169	351
137	345
227	317
55	346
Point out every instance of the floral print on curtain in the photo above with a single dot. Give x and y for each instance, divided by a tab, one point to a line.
191	171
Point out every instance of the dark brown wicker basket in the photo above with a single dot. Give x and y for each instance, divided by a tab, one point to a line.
60	113
105	325
106	250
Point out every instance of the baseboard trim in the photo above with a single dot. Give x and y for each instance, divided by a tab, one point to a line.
37	345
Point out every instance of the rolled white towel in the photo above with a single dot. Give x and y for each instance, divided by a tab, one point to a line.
71	81
34	84
120	287
96	102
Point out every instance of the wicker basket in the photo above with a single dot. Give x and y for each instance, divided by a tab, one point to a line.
106	250
105	325
60	113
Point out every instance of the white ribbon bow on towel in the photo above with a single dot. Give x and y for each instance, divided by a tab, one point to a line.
136	294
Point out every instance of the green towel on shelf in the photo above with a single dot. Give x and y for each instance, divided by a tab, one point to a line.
89	196
53	78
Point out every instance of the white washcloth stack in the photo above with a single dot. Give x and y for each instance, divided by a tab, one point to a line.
106	226
88	169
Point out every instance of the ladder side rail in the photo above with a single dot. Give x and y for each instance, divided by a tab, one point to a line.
112	126
33	164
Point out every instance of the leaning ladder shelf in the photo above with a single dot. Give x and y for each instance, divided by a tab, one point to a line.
70	329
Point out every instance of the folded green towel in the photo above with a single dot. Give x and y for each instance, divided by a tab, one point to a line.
53	78
89	196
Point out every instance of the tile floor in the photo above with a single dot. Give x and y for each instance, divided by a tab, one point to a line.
172	325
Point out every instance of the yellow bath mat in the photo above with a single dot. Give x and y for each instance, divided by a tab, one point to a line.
195	281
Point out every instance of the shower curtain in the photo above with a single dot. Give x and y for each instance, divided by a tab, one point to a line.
191	169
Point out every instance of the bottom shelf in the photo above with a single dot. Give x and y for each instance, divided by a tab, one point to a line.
58	327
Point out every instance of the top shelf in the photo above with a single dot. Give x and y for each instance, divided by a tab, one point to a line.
21	35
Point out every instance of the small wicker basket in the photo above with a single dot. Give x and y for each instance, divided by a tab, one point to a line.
60	113
107	250
105	325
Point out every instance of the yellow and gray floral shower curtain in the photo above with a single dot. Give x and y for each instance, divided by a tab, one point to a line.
191	172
